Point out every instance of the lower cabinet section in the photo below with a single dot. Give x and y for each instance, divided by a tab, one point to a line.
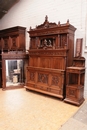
51	82
75	85
45	90
74	95
46	81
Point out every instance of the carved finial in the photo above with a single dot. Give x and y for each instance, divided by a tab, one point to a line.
36	26
46	18
46	23
30	27
67	21
59	23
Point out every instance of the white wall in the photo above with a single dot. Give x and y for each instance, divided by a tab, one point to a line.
32	12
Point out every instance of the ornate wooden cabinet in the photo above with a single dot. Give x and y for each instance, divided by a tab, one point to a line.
75	77
13	57
51	51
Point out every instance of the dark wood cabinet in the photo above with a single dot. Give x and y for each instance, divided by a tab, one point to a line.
13	38
13	57
51	51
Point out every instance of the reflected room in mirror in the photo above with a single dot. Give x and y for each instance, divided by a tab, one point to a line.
14	72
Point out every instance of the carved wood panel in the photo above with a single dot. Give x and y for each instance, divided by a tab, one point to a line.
63	41
43	78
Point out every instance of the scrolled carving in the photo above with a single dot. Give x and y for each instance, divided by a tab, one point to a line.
43	78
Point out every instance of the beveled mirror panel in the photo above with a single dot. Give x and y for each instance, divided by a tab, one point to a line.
14	72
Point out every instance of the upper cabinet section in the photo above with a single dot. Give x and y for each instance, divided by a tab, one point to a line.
12	39
51	35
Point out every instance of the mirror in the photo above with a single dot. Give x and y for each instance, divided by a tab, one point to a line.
14	72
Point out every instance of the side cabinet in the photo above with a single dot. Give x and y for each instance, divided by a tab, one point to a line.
75	82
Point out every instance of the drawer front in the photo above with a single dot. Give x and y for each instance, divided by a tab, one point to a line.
30	85
59	92
41	87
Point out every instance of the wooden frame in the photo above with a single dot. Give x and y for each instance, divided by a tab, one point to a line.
79	47
12	56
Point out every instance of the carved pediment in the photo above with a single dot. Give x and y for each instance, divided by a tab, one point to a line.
46	24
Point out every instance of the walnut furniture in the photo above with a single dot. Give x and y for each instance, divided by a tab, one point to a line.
12	39
12	49
51	51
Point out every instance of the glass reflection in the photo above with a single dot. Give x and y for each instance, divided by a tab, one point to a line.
14	72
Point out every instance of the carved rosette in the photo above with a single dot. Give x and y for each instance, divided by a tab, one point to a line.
72	92
43	78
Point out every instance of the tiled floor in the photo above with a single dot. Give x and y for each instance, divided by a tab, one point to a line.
78	121
27	110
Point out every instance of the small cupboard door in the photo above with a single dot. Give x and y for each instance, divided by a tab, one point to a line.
17	42
5	43
13	40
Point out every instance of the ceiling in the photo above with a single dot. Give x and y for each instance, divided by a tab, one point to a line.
5	5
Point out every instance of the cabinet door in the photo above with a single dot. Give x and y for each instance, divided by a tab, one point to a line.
13	43
5	42
18	42
21	42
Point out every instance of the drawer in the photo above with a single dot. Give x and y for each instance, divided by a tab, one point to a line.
31	85
54	91
41	87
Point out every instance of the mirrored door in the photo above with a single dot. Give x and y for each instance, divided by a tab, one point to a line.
14	72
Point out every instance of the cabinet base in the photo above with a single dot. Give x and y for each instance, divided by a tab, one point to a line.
44	92
78	103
